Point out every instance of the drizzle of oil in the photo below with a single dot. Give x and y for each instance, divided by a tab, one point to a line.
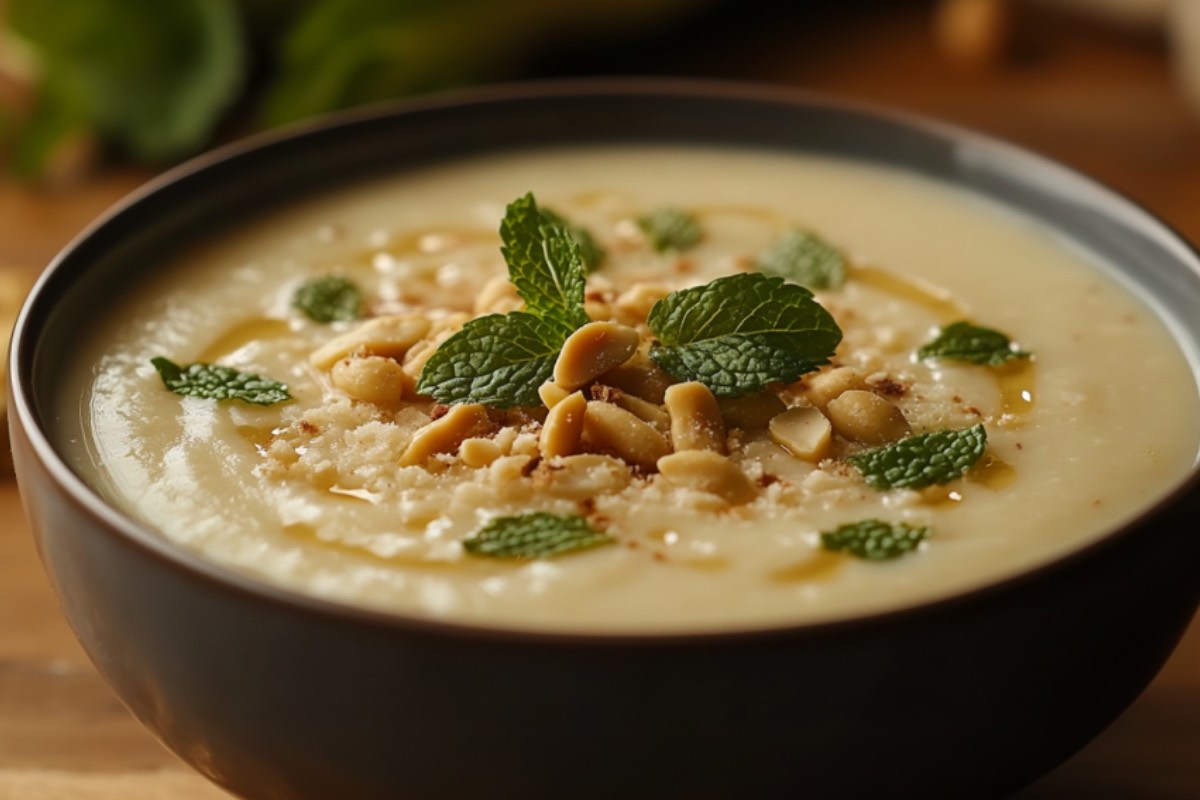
993	473
595	197
1016	380
242	334
710	564
914	290
822	566
940	496
307	535
756	213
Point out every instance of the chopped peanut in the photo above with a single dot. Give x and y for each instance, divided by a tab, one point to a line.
581	477
498	296
827	385
639	376
390	337
372	379
593	350
477	452
866	417
706	471
620	432
751	412
696	422
551	393
446	433
564	426
805	432
633	305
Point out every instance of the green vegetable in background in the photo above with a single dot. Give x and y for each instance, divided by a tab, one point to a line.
329	299
154	78
805	259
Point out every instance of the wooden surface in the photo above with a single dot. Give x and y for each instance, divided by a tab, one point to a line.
1100	102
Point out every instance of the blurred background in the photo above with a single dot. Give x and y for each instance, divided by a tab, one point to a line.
97	96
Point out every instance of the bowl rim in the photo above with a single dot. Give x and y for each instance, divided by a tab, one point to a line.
72	488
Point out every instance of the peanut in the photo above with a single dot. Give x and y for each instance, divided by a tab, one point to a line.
476	452
551	393
633	305
640	376
372	379
582	476
642	409
390	337
620	432
696	422
706	471
439	331
827	385
866	417
593	350
751	412
446	433
564	426
805	432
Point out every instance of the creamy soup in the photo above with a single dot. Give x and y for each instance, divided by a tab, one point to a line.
344	493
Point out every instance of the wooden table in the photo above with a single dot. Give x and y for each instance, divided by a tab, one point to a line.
1102	103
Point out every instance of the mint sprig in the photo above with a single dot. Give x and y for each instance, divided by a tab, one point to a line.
544	263
499	360
963	341
329	299
922	460
671	229
874	539
213	382
739	333
805	259
590	251
535	535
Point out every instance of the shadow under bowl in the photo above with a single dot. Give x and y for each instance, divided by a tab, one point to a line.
276	695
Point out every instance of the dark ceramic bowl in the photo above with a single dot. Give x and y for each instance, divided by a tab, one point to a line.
277	695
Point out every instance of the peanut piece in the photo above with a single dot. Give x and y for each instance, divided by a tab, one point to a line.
597	310
390	337
498	296
866	417
696	422
582	476
804	432
593	350
706	471
751	412
633	305
445	434
564	426
620	432
476	452
551	393
640	376
825	386
372	379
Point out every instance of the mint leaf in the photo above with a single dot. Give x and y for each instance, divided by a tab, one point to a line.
535	535
670	229
739	333
499	360
874	539
590	251
805	259
923	460
214	382
544	263
329	299
963	341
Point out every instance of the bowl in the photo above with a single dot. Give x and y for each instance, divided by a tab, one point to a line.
273	694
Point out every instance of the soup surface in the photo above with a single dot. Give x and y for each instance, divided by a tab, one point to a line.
332	494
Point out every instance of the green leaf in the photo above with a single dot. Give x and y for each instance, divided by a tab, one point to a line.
535	535
214	382
963	341
544	263
499	360
329	299
590	251
151	77
923	460
739	333
671	229
874	539
805	259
